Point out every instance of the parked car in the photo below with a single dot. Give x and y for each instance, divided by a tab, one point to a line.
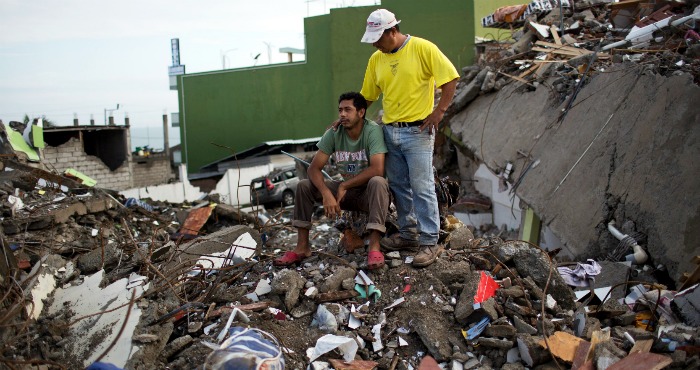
276	188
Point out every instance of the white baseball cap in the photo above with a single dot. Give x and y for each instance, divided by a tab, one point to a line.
377	22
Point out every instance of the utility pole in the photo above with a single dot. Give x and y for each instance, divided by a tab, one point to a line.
269	52
110	113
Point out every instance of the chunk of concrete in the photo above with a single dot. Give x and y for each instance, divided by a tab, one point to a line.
176	346
465	302
436	333
606	354
533	289
465	95
500	331
470	72
523	327
496	343
461	238
98	258
489	82
687	306
530	351
335	281
514	291
489	307
449	272
289	283
525	42
534	262
216	242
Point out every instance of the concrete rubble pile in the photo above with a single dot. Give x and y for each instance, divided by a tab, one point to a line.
562	47
89	279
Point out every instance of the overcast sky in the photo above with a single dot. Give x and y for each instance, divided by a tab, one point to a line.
58	58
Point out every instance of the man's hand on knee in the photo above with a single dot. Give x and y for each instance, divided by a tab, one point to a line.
331	207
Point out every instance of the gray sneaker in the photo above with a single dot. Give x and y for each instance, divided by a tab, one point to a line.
397	243
427	255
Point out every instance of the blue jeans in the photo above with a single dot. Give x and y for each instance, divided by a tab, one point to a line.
409	167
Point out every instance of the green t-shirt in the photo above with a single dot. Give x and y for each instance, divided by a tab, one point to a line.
352	156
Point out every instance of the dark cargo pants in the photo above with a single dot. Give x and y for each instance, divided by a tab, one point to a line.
372	198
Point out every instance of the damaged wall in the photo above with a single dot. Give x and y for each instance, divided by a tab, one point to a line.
642	167
178	192
152	170
72	155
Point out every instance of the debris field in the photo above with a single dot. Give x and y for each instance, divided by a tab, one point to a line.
87	276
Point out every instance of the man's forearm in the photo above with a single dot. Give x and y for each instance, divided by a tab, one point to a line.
448	93
316	178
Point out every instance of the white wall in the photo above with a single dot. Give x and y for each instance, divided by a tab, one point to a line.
487	184
173	193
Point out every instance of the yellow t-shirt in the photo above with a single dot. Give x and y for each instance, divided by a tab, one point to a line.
407	79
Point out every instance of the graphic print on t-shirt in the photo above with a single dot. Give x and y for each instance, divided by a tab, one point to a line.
350	164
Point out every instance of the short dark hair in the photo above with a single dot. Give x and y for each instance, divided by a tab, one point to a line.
358	100
396	27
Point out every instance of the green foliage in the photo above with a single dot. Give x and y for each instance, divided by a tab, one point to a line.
47	122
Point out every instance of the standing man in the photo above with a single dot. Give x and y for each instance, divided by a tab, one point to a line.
358	149
406	70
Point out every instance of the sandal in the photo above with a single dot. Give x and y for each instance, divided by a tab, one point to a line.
375	260
289	258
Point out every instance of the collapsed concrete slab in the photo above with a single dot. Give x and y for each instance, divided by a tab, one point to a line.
618	154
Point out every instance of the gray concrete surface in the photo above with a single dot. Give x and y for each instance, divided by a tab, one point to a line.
643	166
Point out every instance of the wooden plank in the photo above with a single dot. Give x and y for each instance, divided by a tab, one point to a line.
581	354
516	78
563	47
691	279
557	51
643	345
555	34
539	68
258	306
537	61
562	345
528	71
642	361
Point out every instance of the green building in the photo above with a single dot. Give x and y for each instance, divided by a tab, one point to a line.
240	108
